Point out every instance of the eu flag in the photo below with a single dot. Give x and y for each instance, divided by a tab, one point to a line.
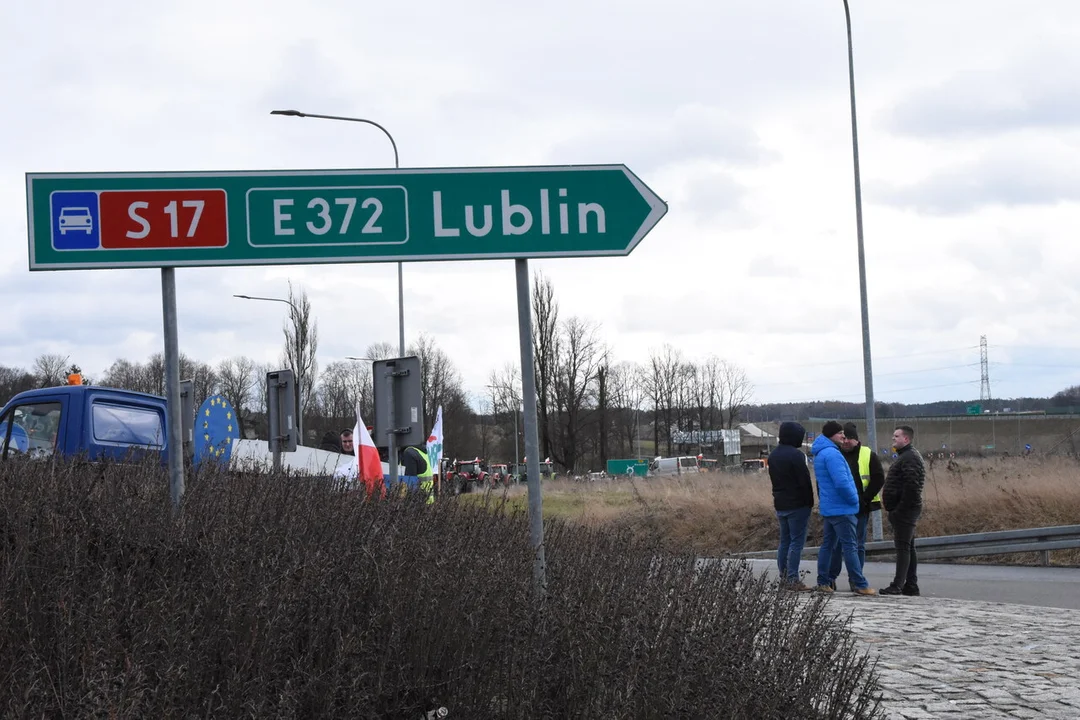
216	426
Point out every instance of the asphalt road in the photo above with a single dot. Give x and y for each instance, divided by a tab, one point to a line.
1038	586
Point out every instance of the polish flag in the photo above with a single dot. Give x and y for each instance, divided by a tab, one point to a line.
367	459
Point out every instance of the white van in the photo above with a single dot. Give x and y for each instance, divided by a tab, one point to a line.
675	465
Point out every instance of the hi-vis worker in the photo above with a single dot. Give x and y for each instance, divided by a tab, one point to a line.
869	476
418	464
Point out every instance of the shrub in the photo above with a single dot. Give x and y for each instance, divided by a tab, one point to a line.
279	596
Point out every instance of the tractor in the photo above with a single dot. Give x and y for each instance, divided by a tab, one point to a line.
466	475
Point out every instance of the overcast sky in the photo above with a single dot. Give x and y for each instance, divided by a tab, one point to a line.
736	114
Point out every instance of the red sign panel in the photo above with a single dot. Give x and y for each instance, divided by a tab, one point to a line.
163	219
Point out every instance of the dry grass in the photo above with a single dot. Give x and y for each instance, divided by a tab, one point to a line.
717	513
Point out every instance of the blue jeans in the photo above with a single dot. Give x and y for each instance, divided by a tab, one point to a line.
840	530
860	540
792	538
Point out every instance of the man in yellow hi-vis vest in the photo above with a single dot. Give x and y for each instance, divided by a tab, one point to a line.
417	463
869	476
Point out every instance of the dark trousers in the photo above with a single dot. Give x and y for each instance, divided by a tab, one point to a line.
907	563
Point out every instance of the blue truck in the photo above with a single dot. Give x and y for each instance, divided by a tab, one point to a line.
97	423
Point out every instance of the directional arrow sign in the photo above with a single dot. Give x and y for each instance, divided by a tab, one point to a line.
119	220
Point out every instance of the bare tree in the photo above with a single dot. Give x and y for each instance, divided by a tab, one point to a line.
665	366
486	426
381	350
603	377
711	394
626	387
124	374
438	376
333	400
505	387
153	375
301	343
507	383
545	331
49	369
735	391
576	369
237	380
685	395
261	371
203	377
14	381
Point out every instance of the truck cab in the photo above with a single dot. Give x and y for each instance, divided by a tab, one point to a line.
84	420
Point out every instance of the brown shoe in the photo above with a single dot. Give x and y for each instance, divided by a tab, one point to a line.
865	591
824	589
799	587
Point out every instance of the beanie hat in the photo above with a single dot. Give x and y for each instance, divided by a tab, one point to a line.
850	432
831	428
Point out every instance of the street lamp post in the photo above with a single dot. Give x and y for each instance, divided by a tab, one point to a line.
299	379
397	165
868	375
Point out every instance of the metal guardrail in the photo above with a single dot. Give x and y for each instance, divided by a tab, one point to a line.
1062	537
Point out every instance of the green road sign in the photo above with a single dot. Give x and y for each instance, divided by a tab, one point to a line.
636	468
974	409
119	220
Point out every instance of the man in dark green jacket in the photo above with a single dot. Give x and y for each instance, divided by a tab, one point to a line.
902	499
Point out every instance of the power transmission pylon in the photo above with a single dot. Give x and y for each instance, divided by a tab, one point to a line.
984	390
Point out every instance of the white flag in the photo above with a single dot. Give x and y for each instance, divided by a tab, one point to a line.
435	443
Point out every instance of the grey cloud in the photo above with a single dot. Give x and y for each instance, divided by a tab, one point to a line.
1008	255
691	133
676	313
712	196
771	266
291	88
1042	91
990	180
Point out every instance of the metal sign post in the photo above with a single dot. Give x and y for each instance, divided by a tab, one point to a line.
281	413
398	392
172	387
187	417
532	441
273	430
391	430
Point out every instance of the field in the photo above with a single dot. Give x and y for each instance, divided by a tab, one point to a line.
716	513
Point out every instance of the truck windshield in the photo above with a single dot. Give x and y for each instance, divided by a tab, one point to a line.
30	429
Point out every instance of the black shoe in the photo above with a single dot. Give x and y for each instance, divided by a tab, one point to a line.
891	590
911	590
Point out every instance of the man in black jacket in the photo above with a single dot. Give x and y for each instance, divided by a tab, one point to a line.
902	498
869	476
793	498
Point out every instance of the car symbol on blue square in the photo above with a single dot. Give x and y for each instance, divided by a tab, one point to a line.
76	221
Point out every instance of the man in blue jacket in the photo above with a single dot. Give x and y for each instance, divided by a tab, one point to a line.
838	504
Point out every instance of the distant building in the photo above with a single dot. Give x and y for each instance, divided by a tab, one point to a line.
758	439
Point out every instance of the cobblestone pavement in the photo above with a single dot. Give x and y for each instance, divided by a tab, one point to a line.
941	658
